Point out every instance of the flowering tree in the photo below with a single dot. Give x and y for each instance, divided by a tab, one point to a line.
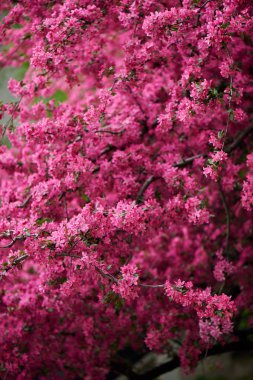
126	196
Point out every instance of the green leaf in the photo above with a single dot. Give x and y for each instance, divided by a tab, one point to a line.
59	96
220	134
225	25
41	220
85	198
16	26
21	71
231	114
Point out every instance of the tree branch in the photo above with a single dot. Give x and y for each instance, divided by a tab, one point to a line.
240	346
187	161
241	136
15	262
109	131
24	204
184	162
144	188
107	149
13	241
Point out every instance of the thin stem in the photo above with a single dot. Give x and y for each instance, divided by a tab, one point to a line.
144	188
13	242
25	203
10	120
184	162
204	4
229	105
137	101
109	131
152	286
187	161
237	141
15	262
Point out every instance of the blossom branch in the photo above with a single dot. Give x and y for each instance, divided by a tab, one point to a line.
144	188
241	136
189	160
109	131
25	203
14	263
17	238
10	120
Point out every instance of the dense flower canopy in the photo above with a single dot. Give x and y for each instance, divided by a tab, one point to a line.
127	193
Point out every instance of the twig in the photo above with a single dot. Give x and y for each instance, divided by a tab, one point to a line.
10	120
153	178
137	101
198	11
187	161
152	286
109	131
144	188
229	105
241	136
15	262
62	195
24	204
106	275
107	149
184	162
13	241
204	4
67	254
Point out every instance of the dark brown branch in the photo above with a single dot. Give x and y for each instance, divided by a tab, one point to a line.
243	345
62	195
217	350
241	136
106	275
19	260
109	131
137	101
107	149
67	255
204	4
13	242
15	262
153	178
25	203
187	161
123	366
199	14
144	188
152	286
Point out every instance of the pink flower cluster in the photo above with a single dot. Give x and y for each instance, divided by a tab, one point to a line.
126	286
125	164
214	311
